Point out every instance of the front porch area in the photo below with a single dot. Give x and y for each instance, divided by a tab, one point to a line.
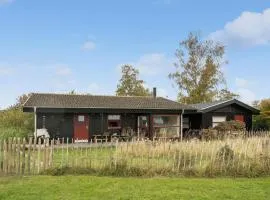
103	127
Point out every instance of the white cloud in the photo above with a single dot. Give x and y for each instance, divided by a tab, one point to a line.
250	28
63	70
246	95
152	64
2	2
89	46
240	82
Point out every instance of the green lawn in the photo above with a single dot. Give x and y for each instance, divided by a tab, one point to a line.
90	187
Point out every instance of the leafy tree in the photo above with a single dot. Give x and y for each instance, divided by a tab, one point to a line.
130	84
20	101
256	104
265	108
198	72
225	94
262	121
14	120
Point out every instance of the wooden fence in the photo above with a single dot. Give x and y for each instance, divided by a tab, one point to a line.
30	156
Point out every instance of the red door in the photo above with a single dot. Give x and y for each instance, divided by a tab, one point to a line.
81	126
239	118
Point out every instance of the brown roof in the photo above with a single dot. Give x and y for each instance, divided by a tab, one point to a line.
107	102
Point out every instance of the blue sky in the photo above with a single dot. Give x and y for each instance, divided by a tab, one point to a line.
57	46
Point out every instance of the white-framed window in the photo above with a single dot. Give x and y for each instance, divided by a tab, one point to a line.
218	119
166	125
81	118
114	117
186	122
114	121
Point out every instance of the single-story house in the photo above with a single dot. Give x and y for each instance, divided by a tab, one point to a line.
82	117
210	114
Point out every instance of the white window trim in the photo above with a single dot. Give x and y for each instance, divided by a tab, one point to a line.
114	117
217	120
81	118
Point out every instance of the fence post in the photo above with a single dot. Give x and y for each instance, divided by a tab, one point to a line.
34	156
29	156
19	156
5	157
44	154
14	154
38	161
23	156
9	155
67	152
51	154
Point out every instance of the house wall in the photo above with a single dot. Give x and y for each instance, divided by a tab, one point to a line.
61	124
58	125
96	124
229	111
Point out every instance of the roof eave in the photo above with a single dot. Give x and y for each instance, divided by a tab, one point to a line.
225	103
108	108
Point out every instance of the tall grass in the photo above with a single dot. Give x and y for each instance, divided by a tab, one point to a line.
238	157
11	132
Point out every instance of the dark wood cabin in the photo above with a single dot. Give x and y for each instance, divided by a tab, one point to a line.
210	114
82	117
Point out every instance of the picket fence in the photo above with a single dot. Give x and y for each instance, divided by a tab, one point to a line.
31	156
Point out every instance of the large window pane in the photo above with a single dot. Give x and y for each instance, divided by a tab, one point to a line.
217	120
166	120
114	121
166	125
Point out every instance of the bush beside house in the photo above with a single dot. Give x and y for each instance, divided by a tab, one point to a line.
224	129
14	122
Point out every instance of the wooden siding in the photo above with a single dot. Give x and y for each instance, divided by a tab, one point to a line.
229	111
61	124
58	125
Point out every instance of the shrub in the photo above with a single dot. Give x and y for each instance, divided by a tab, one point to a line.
15	117
230	126
15	123
10	132
65	170
261	123
209	134
225	153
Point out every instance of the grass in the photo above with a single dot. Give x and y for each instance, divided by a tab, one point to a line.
91	187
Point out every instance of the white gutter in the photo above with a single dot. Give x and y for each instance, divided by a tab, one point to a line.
181	126
35	121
